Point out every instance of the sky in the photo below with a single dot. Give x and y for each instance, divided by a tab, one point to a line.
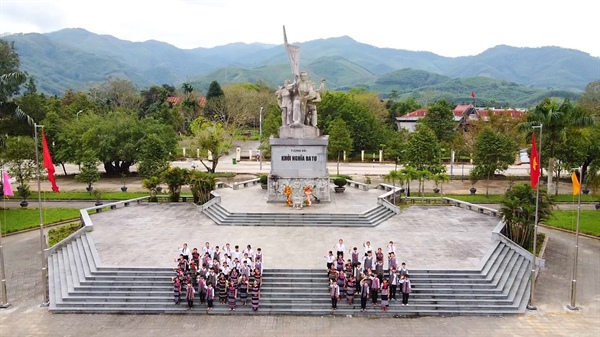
445	27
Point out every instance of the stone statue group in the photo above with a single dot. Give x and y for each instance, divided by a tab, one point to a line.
298	101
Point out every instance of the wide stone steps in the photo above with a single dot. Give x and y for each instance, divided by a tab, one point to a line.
80	284
370	218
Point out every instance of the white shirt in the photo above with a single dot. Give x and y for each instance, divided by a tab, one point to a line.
391	248
185	252
330	258
207	250
237	255
368	249
249	252
340	247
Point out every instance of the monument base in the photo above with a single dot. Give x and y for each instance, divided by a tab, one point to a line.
320	189
298	131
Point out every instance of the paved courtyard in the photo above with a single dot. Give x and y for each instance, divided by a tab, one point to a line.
162	232
426	237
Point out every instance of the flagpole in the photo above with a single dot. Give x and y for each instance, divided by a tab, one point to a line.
531	306
45	300
3	294
572	306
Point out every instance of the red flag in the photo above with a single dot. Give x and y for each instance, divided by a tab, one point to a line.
48	165
534	163
473	94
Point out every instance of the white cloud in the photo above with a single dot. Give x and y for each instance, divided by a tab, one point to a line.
449	28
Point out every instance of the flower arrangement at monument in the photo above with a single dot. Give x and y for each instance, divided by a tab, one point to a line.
308	191
287	191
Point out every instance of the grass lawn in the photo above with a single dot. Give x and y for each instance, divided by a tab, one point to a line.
88	196
13	220
497	198
589	222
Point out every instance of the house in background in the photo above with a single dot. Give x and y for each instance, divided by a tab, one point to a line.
463	115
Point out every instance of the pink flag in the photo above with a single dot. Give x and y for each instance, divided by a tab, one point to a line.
6	185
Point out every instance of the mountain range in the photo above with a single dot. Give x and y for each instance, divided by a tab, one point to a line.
76	58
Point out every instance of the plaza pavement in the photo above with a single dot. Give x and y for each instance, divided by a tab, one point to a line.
26	318
426	237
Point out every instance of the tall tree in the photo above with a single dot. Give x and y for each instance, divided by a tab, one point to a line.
214	91
494	151
211	137
10	80
339	140
440	119
561	121
423	150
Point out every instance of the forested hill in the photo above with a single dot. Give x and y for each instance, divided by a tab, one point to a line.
76	58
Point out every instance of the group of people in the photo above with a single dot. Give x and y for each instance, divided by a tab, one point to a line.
224	273
364	275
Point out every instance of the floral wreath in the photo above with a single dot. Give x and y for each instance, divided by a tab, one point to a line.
287	190
308	189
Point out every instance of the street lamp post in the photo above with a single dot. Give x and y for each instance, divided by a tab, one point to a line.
572	305
260	137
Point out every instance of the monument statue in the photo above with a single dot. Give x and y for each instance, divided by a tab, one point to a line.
299	155
298	100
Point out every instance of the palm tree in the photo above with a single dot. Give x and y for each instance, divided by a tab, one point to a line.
394	176
410	173
421	175
561	121
441	178
518	213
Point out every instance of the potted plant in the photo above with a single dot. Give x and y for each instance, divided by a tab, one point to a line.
340	183
439	179
89	173
263	179
123	179
24	192
98	195
151	184
474	178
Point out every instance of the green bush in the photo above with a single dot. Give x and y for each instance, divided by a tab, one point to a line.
340	181
57	234
263	179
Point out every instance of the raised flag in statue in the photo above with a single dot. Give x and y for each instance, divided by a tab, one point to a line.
6	188
473	94
48	165
576	184
534	164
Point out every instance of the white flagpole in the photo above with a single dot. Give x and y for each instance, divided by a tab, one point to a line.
572	306
531	306
45	300
3	294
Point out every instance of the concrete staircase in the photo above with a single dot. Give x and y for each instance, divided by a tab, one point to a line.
369	218
78	283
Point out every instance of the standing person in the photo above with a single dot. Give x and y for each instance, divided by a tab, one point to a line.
259	255
391	248
403	270
392	264
339	263
207	249
385	292
341	282
406	289
217	255
250	253
245	270
222	289
375	285
368	247
185	251
176	290
258	277
243	288
236	254
350	290
340	248
227	249
393	282
196	257
255	295
232	294
368	262
334	293
211	278
330	259
379	271
379	255
189	295
354	257
364	294
210	296
358	276
202	289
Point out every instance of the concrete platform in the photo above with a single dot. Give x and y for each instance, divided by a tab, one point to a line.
425	237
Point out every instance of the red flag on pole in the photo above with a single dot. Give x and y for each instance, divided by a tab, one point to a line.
473	94
534	163
48	165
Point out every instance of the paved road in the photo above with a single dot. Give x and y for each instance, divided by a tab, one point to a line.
26	318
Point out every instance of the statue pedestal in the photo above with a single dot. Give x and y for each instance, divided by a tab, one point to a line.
299	162
299	132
